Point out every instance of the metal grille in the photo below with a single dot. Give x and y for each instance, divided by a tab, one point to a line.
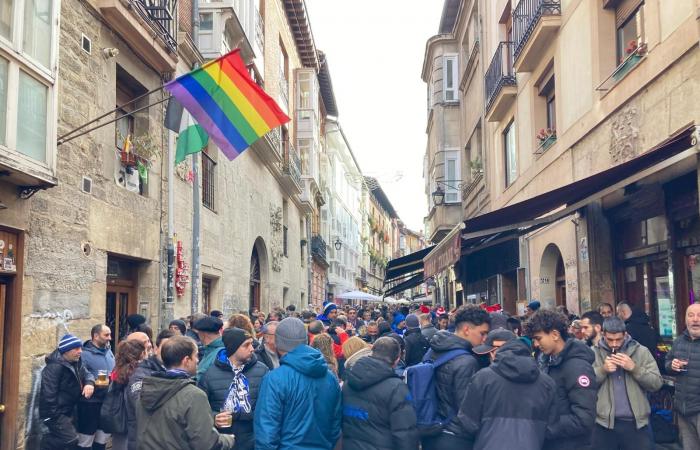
160	14
500	72
526	16
208	181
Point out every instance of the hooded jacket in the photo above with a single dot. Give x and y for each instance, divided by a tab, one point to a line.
638	327
416	346
686	400
216	382
209	355
377	413
509	404
428	331
146	368
61	386
174	414
453	377
575	398
645	377
302	404
95	359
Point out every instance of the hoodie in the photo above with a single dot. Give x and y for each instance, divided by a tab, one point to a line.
377	412
174	414
576	394
509	404
302	404
638	327
95	359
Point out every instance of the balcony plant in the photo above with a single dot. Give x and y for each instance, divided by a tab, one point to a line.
633	54
545	138
476	167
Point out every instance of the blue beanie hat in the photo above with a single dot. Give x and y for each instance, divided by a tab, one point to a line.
68	342
329	307
534	305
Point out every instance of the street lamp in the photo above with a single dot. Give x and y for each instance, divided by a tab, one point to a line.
438	196
338	244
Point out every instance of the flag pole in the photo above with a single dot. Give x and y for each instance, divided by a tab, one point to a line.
196	199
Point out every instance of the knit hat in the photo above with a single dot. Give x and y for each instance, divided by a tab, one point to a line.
328	308
233	338
180	324
216	313
424	309
208	324
134	320
534	305
412	321
290	334
68	343
440	311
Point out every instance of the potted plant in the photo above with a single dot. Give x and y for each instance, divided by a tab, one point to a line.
633	53
546	137
476	166
139	151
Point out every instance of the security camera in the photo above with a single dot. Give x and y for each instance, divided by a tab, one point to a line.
110	52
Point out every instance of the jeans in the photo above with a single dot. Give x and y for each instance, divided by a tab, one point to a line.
61	435
689	428
624	436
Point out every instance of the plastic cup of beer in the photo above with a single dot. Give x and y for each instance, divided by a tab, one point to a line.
229	418
102	379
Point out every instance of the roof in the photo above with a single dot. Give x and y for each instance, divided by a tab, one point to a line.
450	9
301	29
326	85
381	197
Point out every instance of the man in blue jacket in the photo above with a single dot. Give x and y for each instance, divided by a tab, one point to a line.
301	399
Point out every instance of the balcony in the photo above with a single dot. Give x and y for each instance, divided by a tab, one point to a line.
269	148
318	250
535	23
291	167
500	83
227	30
148	26
442	220
284	92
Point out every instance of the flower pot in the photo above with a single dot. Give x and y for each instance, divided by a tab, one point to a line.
544	145
626	67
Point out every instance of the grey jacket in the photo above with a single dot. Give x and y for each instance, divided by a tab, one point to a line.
645	377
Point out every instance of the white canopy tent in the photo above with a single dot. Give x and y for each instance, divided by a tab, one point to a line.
359	295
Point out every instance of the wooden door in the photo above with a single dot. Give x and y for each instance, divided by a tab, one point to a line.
121	301
3	291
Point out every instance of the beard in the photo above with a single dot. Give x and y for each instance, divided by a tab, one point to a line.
591	340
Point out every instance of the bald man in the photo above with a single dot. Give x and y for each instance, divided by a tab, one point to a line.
684	362
142	338
637	325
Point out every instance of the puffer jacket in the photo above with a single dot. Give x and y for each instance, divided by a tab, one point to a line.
62	385
146	368
489	413
645	377
263	357
575	398
686	400
302	404
173	414
638	327
376	411
416	346
95	359
453	377
216	382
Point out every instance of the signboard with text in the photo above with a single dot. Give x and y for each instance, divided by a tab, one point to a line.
444	255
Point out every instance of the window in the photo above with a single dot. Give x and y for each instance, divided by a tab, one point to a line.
206	294
208	179
511	157
450	78
37	26
452	176
206	22
629	20
285	227
547	93
284	75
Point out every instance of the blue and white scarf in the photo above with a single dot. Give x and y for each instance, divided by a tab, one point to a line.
238	397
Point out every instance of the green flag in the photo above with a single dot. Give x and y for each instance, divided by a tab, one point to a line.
191	140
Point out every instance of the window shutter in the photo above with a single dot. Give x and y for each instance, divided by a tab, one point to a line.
624	10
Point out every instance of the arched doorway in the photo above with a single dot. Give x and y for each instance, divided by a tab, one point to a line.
552	277
254	300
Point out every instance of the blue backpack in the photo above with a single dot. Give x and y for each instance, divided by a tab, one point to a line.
420	379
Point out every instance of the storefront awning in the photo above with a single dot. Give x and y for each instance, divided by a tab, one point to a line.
399	268
411	282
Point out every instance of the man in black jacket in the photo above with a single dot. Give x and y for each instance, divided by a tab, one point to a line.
267	351
376	411
416	343
453	377
63	381
637	325
683	361
232	383
489	412
570	364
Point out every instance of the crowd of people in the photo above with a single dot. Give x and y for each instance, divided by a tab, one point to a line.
372	378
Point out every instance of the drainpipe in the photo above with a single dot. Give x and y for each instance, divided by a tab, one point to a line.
194	305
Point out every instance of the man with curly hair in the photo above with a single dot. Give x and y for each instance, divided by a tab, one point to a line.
453	377
570	364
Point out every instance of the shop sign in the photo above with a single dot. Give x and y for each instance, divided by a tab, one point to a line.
445	254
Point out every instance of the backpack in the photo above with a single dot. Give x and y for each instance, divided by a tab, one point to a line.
420	379
113	411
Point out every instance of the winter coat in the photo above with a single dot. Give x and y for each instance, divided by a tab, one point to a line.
686	400
428	332
575	398
216	382
263	357
209	355
645	377
638	327
509	404
95	359
356	356
377	413
146	368
302	404
174	414
62	386
453	377
416	346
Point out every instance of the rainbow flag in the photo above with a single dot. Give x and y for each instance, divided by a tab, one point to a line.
227	103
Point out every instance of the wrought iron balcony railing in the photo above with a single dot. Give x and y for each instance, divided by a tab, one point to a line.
318	247
292	163
161	15
526	16
500	72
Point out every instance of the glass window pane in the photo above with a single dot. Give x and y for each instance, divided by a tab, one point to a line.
6	18
31	117
37	38
511	156
3	99
206	22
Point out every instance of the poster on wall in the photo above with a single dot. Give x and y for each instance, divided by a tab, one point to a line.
666	308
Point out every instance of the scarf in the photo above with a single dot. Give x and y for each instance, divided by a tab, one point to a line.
238	397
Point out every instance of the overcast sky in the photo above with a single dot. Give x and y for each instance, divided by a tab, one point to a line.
375	53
